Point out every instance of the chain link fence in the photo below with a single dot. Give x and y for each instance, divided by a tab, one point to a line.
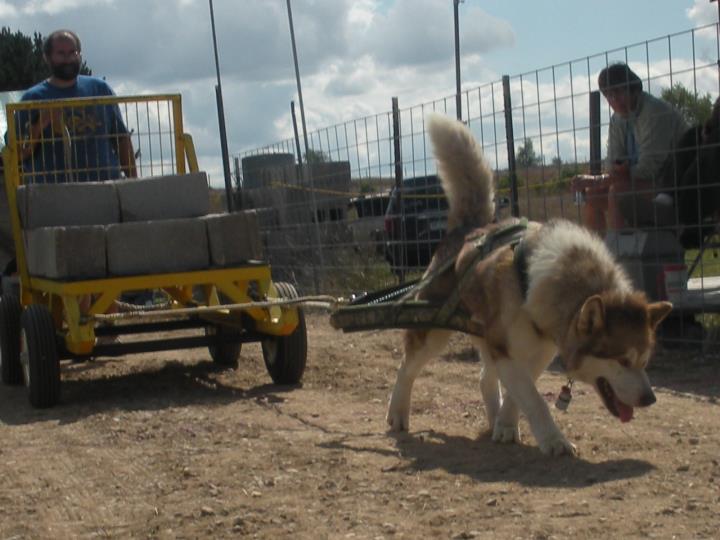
363	208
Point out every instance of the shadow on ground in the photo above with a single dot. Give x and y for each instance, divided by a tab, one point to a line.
485	461
174	384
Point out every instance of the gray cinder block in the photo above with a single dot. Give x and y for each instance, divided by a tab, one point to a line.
156	247
233	238
164	197
74	204
66	252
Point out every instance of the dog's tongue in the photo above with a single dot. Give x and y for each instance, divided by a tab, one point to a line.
626	411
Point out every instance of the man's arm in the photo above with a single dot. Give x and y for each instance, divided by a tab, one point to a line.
34	130
656	136
616	144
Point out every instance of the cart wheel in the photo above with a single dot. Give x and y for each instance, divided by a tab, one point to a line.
285	356
223	354
10	368
39	356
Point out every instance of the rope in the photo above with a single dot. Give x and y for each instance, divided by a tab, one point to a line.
142	312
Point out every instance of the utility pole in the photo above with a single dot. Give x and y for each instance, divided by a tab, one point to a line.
221	119
297	76
307	167
458	96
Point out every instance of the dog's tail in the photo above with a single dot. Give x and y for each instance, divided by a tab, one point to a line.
464	173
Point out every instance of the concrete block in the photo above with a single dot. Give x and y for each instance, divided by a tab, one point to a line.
66	252
233	238
164	197
75	204
156	247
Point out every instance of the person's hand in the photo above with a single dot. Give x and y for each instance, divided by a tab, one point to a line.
51	117
34	131
585	182
620	176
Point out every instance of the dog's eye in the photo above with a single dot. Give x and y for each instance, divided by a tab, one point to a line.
624	362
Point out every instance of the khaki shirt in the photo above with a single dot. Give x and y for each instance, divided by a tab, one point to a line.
656	127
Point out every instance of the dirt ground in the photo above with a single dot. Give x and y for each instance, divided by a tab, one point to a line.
169	446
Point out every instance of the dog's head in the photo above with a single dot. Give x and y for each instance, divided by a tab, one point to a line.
609	345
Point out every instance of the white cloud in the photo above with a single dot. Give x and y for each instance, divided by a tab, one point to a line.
703	12
53	7
421	33
7	10
362	13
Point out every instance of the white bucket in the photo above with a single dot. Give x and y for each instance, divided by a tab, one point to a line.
675	280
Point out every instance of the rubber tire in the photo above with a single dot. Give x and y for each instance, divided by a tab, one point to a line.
43	363
224	354
286	356
10	367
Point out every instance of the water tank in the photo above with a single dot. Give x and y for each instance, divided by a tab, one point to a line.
264	170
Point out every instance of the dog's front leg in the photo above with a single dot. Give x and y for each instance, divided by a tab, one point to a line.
521	388
505	429
420	347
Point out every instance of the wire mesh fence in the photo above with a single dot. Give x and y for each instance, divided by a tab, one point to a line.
363	208
96	139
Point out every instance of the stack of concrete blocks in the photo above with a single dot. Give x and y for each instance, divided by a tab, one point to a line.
94	230
279	189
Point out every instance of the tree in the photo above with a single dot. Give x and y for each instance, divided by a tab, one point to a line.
695	108
316	156
21	60
526	156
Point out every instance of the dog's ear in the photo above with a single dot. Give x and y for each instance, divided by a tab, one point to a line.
657	311
592	316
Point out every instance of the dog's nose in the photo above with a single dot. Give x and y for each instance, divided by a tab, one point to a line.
647	400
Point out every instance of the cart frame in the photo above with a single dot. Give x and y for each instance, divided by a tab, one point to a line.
77	307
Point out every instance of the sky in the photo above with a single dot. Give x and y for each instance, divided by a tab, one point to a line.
354	55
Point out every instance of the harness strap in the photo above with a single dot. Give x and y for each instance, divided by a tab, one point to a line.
520	262
485	244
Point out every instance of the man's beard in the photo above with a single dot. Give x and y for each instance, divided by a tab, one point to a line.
66	72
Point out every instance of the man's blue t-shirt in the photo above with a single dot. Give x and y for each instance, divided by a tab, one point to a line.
88	150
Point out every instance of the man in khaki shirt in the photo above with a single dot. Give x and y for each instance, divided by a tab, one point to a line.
643	131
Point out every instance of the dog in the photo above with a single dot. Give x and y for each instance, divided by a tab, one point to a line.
567	298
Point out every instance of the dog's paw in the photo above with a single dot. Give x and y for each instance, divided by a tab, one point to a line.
558	445
503	433
397	418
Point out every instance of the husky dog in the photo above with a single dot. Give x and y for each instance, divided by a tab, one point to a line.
565	295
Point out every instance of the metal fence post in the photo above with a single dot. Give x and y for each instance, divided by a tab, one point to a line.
397	148
595	148
512	170
238	185
295	131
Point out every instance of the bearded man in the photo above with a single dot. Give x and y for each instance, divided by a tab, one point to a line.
77	143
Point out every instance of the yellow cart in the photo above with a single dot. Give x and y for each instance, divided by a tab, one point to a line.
46	321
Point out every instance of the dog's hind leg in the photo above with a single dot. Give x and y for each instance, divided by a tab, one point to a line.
420	347
489	383
501	411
